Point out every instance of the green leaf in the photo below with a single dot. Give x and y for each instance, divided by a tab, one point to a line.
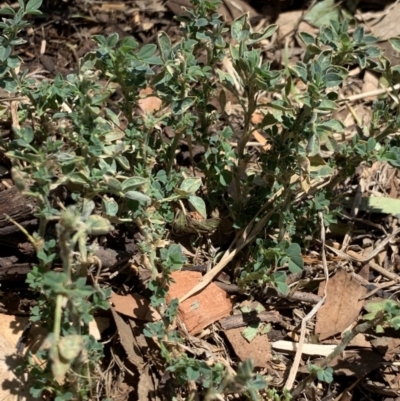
112	40
332	125
251	331
97	225
123	162
164	44
257	37
137	196
133	182
181	106
147	51
332	79
307	38
113	183
322	13
201	22
110	206
199	205
7	10
313	145
32	5
240	28
192	374
296	263
4	52
191	185
395	42
112	116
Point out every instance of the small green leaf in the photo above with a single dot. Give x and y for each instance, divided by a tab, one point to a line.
307	38
137	196
395	42
32	5
323	12
201	22
147	51
110	207
250	332
199	205
257	37
332	79
112	116
181	106
133	182
191	185
240	28
164	44
97	225
296	262
313	145
113	183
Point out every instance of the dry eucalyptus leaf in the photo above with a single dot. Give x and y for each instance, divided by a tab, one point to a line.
259	349
134	305
342	305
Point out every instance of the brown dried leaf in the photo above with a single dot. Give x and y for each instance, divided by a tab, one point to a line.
134	305
149	103
259	349
388	26
128	341
342	305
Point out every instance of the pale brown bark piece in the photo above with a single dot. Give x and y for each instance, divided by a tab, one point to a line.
259	349
342	306
203	308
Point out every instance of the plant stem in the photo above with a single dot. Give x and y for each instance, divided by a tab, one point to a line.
361	328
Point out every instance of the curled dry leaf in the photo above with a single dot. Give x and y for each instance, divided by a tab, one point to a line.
342	306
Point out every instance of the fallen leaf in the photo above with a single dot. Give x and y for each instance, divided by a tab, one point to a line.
342	305
134	305
203	308
128	341
288	22
388	26
148	104
259	349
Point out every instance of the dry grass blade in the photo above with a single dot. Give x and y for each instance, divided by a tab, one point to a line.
375	252
310	315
